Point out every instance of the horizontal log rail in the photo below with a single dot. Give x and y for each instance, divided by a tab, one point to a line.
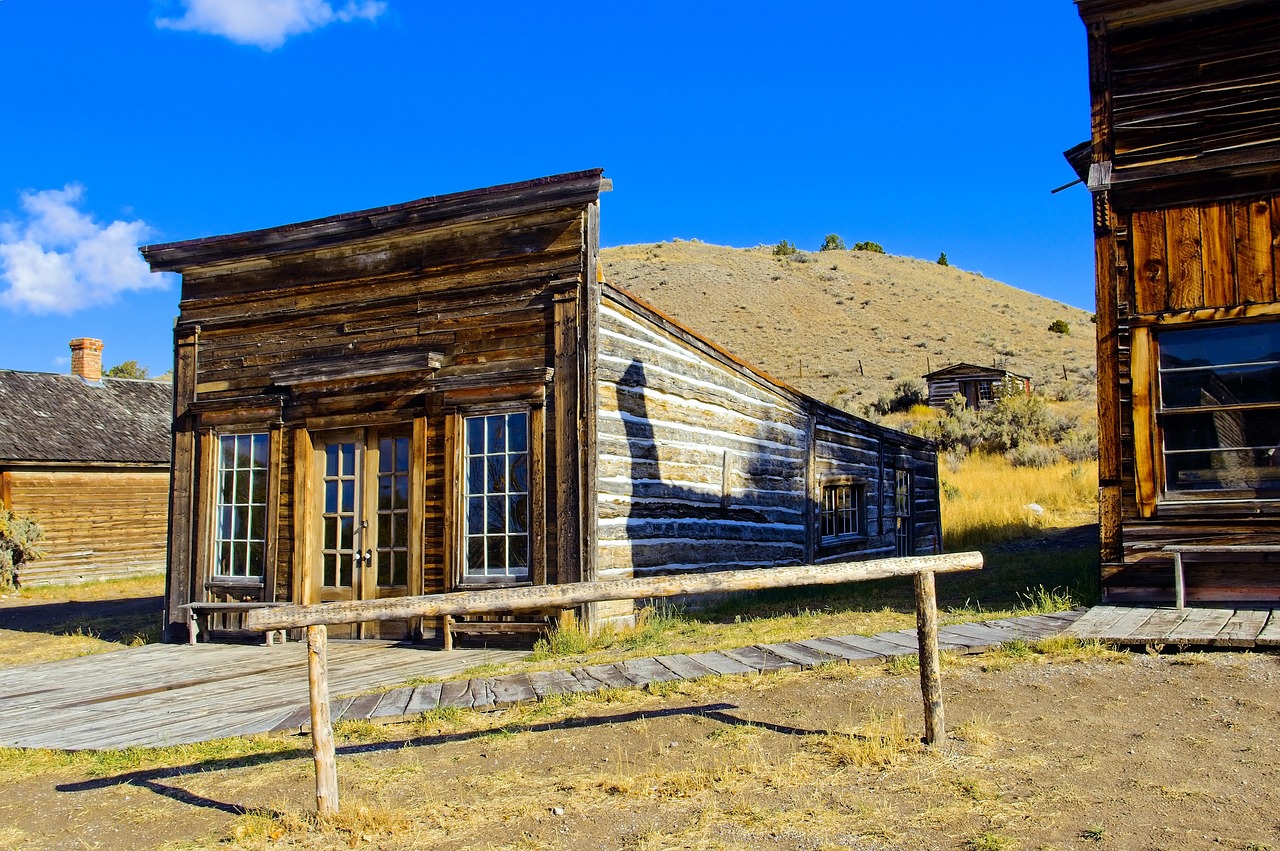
570	594
316	617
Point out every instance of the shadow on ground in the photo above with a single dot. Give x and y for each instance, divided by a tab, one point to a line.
111	620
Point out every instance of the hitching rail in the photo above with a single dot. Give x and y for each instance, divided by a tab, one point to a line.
316	617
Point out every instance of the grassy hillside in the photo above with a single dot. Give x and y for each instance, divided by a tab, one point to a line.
811	318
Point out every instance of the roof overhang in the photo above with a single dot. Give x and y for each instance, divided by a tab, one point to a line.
543	193
1124	13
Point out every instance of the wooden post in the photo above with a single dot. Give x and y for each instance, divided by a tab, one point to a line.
321	724
935	730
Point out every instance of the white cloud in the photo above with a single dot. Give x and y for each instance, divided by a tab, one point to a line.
58	259
267	23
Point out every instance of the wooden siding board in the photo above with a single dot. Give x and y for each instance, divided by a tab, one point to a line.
1186	258
1255	274
1150	262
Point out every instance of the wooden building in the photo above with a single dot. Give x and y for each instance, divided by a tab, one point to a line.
980	386
87	457
444	394
1184	168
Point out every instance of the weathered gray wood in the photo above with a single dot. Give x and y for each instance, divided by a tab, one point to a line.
1200	626
577	593
610	675
805	657
1156	628
425	698
1270	634
393	703
849	654
935	730
648	671
513	689
1241	629
362	708
455	694
322	746
684	667
1096	623
873	644
721	663
760	660
545	683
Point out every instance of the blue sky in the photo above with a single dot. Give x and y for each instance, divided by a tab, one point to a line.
924	126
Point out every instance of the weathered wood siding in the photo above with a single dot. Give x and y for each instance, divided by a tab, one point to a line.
700	466
402	318
98	524
706	464
1186	157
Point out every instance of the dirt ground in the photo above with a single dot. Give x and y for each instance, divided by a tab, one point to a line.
1061	750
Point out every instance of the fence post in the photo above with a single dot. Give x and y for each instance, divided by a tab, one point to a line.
321	724
935	730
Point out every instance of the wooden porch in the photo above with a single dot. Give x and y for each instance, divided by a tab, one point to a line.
1194	627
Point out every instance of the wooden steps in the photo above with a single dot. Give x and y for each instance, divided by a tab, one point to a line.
165	694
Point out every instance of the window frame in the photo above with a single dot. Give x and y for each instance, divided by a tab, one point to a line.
456	498
268	472
843	540
1154	495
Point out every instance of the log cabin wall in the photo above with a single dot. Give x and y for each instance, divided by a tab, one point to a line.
99	523
1186	165
408	338
708	464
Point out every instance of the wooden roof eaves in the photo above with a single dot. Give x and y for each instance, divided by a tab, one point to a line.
561	190
1115	14
757	375
971	368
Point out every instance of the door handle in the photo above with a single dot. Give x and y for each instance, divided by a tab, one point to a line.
368	556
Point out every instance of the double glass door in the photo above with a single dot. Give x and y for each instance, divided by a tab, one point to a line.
362	497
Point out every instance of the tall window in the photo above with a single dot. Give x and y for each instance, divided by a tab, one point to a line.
393	511
496	455
844	511
1219	409
240	536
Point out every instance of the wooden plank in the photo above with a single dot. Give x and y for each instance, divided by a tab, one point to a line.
455	694
512	689
684	667
1255	274
873	644
1270	634
1186	258
645	671
760	661
548	683
611	675
394	703
1097	622
480	692
361	708
1241	629
1200	626
803	656
1150	263
852	655
588	682
1218	244
721	663
1156	628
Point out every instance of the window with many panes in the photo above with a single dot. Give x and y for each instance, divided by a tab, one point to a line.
393	511
241	509
1218	413
496	497
844	511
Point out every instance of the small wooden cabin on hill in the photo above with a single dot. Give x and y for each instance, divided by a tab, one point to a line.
444	394
87	457
1184	168
980	386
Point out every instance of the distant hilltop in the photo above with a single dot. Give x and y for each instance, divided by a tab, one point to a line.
846	326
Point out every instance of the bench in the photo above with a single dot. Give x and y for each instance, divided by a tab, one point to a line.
201	617
1178	551
502	626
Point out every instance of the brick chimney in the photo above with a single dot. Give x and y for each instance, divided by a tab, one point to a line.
86	358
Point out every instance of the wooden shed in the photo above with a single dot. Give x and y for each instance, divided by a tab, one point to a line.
979	385
1184	168
88	457
445	394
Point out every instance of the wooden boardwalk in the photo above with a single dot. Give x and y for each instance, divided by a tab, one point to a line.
166	694
1195	627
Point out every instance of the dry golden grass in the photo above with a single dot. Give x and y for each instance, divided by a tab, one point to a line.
150	585
29	648
985	500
